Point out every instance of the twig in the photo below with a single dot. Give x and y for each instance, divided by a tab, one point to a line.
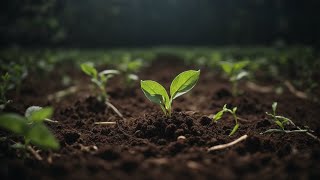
258	88
60	94
34	153
105	123
114	109
51	121
223	146
293	90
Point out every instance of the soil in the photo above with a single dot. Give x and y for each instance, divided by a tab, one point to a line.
145	144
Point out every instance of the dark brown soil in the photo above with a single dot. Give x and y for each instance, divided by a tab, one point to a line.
145	145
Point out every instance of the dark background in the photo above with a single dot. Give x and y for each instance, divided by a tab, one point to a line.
113	23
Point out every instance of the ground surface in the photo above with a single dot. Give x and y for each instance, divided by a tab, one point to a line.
146	145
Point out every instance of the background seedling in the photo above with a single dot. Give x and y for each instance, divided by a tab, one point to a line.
129	69
235	72
232	111
31	128
181	84
282	122
99	79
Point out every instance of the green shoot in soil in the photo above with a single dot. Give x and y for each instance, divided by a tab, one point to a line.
181	84
235	72
31	128
129	70
232	111
282	122
99	79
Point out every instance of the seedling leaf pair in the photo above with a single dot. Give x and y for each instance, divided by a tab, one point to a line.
31	127
99	79
181	84
219	115
235	72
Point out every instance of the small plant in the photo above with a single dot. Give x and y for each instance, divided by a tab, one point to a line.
129	69
232	111
181	84
31	127
235	72
283	122
99	79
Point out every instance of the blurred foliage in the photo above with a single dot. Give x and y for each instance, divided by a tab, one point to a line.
100	23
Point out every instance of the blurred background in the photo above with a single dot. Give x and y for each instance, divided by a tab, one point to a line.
143	23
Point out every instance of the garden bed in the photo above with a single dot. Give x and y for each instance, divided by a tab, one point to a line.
145	144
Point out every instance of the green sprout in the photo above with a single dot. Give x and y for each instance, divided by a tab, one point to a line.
129	69
99	79
235	72
232	111
283	122
31	127
181	84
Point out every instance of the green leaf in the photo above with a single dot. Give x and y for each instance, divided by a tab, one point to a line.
155	92
18	146
134	66
274	107
240	65
241	75
227	67
279	124
38	114
41	136
218	115
108	72
234	130
89	70
15	123
234	109
183	83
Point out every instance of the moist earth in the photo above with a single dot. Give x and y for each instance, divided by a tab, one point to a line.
147	145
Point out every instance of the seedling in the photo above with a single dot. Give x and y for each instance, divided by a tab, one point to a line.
235	72
99	79
232	111
129	69
282	122
181	84
31	128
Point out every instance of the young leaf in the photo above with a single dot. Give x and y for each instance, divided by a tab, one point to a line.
274	107
227	67
109	71
279	124
38	114
218	116
42	114
89	69
14	123
40	135
155	92
183	83
235	128
241	75
240	65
